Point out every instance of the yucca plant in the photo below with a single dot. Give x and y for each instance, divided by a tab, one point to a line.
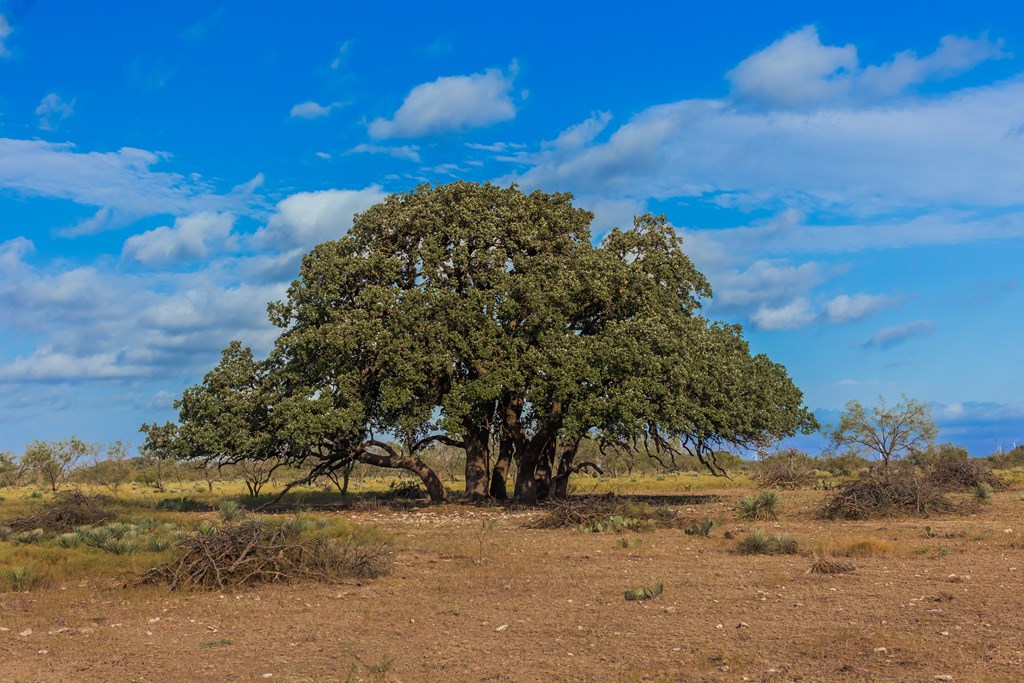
69	540
206	528
29	537
755	543
5	532
158	544
764	506
18	577
120	546
230	511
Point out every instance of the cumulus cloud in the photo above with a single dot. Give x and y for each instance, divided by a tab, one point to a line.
52	110
799	71
308	218
796	313
122	184
451	103
409	152
888	337
765	281
313	110
191	237
581	134
847	308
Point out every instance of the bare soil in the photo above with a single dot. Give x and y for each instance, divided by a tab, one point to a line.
469	601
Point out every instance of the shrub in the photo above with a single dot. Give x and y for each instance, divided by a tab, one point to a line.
28	537
788	469
120	546
18	577
67	510
607	512
952	470
702	529
983	492
69	540
181	504
5	532
158	544
760	543
230	511
844	465
764	506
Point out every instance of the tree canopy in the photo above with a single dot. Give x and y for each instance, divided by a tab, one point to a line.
486	319
888	431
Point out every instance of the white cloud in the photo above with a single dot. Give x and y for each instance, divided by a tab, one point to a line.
192	237
581	134
313	110
799	71
339	58
122	184
308	218
323	155
409	152
796	313
52	110
765	281
5	31
794	70
451	103
846	308
47	365
888	337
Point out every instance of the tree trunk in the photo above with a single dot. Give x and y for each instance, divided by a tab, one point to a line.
565	468
391	458
500	472
475	440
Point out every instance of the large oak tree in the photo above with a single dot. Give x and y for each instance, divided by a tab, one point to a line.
486	319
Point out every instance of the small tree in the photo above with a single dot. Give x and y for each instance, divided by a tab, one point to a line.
54	461
159	447
115	470
890	432
12	469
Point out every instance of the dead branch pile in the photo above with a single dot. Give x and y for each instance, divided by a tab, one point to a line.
884	491
962	474
255	552
591	510
786	470
825	566
67	510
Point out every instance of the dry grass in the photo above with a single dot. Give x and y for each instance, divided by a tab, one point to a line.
866	546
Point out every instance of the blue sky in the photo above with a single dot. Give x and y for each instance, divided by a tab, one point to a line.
850	178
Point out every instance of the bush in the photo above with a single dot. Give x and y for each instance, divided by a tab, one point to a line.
764	506
67	510
983	492
844	465
884	491
230	511
788	469
951	469
604	513
18	578
760	543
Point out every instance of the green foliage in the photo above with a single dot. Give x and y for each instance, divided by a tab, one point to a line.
28	537
54	461
983	492
158	544
182	504
69	540
760	543
474	314
844	464
230	512
5	532
18	577
766	506
645	593
888	432
618	524
120	546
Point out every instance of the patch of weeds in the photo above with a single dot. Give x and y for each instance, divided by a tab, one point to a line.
69	540
626	543
210	644
702	529
120	546
645	593
765	506
158	544
5	532
180	504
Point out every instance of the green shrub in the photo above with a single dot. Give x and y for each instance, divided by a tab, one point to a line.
69	540
18	577
120	546
764	506
5	532
230	511
702	529
983	492
158	544
760	543
28	537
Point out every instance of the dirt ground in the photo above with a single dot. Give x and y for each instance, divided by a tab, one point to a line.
473	601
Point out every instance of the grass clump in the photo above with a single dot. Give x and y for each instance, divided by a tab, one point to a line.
230	512
983	492
5	532
69	540
28	537
765	506
702	529
18	577
120	546
159	544
760	543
